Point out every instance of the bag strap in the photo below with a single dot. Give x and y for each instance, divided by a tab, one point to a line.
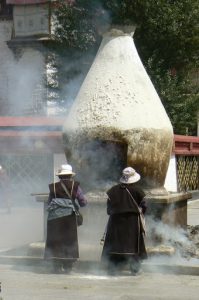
68	194
54	183
66	190
133	200
141	216
54	189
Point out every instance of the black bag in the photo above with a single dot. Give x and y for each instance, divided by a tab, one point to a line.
79	216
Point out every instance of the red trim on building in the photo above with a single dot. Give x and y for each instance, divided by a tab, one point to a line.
30	121
186	145
25	2
14	142
29	134
28	139
183	145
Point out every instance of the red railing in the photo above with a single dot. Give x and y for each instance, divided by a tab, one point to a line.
186	145
183	145
30	121
31	134
24	2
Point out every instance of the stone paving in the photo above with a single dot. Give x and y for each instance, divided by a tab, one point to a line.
24	283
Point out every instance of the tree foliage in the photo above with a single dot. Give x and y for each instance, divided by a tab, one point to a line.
179	97
166	36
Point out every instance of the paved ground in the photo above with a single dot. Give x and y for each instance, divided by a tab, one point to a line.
20	282
193	212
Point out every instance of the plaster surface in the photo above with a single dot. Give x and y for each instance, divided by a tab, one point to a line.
118	102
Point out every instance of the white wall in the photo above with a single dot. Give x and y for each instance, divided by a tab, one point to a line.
171	177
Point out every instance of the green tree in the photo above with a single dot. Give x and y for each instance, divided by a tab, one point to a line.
179	96
166	36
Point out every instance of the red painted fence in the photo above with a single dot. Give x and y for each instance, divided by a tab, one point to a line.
20	2
186	145
183	145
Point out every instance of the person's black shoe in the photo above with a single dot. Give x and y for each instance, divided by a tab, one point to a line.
136	273
67	268
135	267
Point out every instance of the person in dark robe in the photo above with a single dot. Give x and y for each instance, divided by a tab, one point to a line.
124	239
62	240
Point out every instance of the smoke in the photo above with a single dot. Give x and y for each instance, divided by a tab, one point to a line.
99	164
168	244
21	226
22	93
71	71
38	83
167	233
45	82
21	216
25	89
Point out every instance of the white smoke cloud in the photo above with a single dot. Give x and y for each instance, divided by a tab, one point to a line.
25	83
174	243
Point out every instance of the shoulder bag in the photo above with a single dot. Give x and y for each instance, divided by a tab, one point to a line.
59	207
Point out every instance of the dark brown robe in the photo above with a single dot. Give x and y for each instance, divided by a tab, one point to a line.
62	240
124	237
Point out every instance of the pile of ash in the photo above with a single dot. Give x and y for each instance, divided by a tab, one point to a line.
173	241
191	249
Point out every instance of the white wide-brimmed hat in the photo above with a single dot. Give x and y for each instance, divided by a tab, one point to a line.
129	175
65	170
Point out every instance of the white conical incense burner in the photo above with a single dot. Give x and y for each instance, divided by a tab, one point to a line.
117	102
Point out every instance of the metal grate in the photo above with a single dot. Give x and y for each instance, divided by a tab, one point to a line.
27	174
188	173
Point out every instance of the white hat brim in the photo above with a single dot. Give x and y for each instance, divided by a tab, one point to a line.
65	173
131	179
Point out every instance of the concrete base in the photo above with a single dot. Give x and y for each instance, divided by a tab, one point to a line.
171	209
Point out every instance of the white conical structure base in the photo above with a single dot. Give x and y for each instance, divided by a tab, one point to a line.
118	102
